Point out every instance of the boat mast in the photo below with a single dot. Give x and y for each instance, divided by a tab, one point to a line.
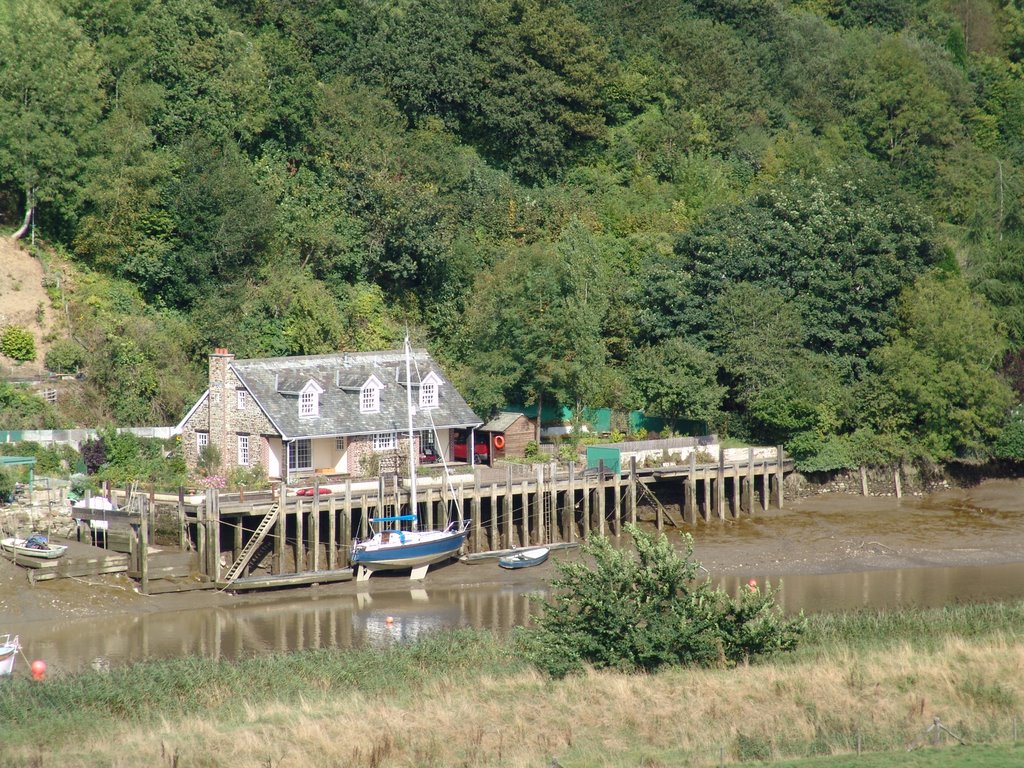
412	444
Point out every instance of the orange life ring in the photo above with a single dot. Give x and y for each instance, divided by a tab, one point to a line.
499	441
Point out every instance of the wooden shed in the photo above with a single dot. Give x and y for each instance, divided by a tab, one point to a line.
508	433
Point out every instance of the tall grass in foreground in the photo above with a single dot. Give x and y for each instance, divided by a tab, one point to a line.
463	699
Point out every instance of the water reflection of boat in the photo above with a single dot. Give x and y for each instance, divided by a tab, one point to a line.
9	648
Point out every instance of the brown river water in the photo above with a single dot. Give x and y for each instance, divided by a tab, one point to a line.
831	553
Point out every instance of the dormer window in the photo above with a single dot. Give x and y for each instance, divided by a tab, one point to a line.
309	399
429	390
369	396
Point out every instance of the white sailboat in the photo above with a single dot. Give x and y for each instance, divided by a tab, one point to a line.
391	548
9	647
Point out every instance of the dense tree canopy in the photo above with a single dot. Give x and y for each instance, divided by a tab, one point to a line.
799	221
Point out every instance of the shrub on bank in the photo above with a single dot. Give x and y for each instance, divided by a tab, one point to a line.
647	610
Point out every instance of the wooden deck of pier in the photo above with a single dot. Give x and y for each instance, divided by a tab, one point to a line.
287	539
279	539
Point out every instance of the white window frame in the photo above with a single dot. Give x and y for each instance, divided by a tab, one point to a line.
202	440
295	448
385	441
240	399
428	395
243	450
369	399
309	404
339	444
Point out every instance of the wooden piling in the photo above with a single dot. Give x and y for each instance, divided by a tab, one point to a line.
332	533
690	492
570	505
300	536
631	499
720	485
280	532
601	498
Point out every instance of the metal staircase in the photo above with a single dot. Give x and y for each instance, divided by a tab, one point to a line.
251	546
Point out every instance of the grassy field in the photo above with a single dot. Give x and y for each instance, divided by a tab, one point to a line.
465	699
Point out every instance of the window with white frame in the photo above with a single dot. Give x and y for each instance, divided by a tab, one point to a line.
300	455
428	395
243	450
240	398
202	440
385	441
369	399
308	405
339	444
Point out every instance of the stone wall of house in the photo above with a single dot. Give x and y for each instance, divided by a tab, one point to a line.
363	461
198	422
221	417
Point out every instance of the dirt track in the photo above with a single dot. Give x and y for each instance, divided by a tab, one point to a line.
826	534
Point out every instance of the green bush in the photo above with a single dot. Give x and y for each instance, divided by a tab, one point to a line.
638	612
65	356
18	343
251	478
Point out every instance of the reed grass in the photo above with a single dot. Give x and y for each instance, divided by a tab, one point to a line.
465	699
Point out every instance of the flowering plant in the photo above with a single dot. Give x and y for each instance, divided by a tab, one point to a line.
213	481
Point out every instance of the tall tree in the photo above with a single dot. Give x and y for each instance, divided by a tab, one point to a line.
49	103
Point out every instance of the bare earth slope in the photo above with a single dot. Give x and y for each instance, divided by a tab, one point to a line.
21	296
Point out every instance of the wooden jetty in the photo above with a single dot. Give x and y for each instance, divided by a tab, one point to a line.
280	539
283	539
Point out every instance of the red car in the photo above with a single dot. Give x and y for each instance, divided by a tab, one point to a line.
460	449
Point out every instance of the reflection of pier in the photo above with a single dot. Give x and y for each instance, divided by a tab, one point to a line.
264	624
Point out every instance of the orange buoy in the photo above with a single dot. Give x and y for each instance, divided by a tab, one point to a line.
499	441
38	669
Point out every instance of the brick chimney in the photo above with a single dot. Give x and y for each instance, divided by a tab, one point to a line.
220	394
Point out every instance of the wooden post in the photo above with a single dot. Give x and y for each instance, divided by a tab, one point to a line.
863	480
690	495
314	526
706	513
182	533
897	481
508	500
144	552
236	542
780	477
332	533
765	499
215	537
570	505
524	490
300	536
632	489
201	547
735	505
748	486
601	500
346	527
586	507
476	511
554	527
720	485
538	508
494	540
280	531
364	516
617	503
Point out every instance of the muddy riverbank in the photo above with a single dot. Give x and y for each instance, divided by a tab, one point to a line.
830	533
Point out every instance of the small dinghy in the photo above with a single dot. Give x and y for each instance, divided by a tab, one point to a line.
35	545
9	648
525	558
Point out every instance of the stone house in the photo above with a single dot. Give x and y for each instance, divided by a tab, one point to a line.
339	414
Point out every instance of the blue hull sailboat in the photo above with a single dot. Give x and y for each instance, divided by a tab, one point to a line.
394	549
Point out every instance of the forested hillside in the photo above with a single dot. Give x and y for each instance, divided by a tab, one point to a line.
801	222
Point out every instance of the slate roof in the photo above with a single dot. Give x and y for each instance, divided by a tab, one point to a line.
275	382
502	421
